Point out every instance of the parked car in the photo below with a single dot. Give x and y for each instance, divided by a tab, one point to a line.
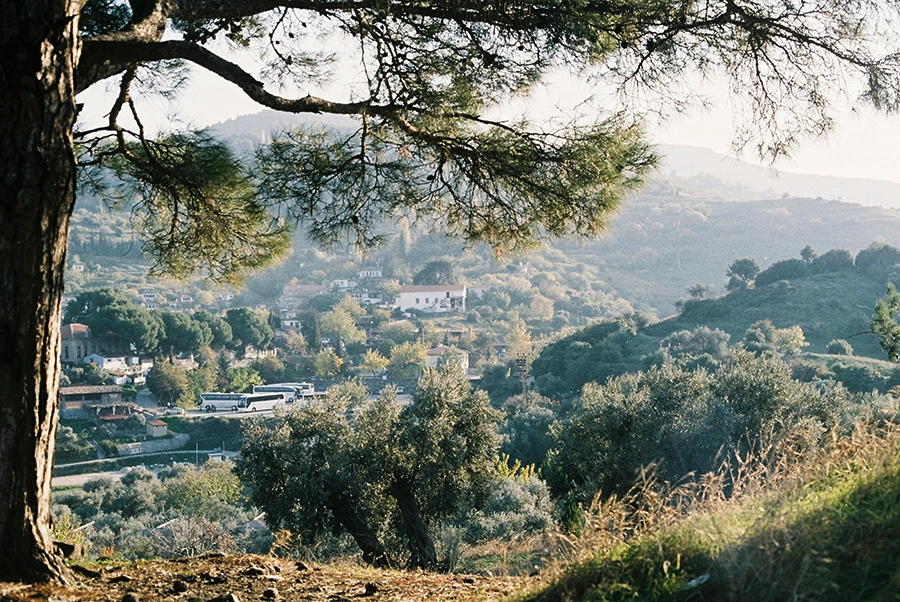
174	412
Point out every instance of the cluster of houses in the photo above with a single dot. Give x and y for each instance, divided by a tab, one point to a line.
366	289
79	346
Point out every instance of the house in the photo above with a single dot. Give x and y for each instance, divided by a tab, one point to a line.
293	294
90	401
77	342
433	356
370	274
156	428
341	285
367	297
432	298
105	362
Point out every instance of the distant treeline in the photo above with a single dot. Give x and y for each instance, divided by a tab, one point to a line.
103	244
877	259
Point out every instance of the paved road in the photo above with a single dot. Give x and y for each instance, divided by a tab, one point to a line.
77	480
80	479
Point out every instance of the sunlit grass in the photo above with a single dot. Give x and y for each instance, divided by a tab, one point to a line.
822	527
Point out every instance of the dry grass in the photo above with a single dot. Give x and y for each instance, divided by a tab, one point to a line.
779	522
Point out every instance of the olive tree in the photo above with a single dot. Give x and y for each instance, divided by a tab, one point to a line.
325	466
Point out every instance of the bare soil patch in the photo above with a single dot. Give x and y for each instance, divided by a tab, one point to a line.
240	578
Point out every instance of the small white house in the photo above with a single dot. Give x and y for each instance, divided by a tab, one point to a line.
432	299
106	363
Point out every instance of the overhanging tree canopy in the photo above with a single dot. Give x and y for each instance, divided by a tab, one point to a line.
423	144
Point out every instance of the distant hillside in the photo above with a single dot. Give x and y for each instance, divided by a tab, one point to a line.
664	241
683	229
754	182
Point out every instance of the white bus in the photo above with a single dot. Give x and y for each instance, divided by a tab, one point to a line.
252	402
303	389
220	401
290	392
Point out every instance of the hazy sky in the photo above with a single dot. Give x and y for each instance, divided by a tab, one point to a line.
863	145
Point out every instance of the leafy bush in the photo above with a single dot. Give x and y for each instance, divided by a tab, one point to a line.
835	260
683	421
517	508
787	269
839	347
878	259
190	511
525	430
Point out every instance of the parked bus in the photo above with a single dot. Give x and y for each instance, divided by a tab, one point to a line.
290	391
303	389
220	401
252	402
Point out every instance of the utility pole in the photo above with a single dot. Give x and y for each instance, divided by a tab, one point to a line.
522	371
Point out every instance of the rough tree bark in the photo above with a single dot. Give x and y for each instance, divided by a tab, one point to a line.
421	546
344	510
39	45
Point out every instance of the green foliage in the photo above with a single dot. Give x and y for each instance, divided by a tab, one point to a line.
741	273
110	313
185	510
786	269
835	260
525	429
170	385
182	333
683	421
885	323
878	259
435	272
407	361
103	16
270	369
798	538
763	336
328	363
504	186
203	492
70	447
249	327
592	354
219	329
690	348
198	209
340	325
242	380
374	362
324	467
839	347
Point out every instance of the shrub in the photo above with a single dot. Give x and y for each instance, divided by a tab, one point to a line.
839	347
683	421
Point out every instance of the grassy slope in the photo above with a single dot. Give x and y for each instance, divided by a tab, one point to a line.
833	536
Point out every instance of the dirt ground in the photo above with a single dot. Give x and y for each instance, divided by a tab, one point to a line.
240	578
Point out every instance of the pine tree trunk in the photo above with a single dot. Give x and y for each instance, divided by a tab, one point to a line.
421	546
38	51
